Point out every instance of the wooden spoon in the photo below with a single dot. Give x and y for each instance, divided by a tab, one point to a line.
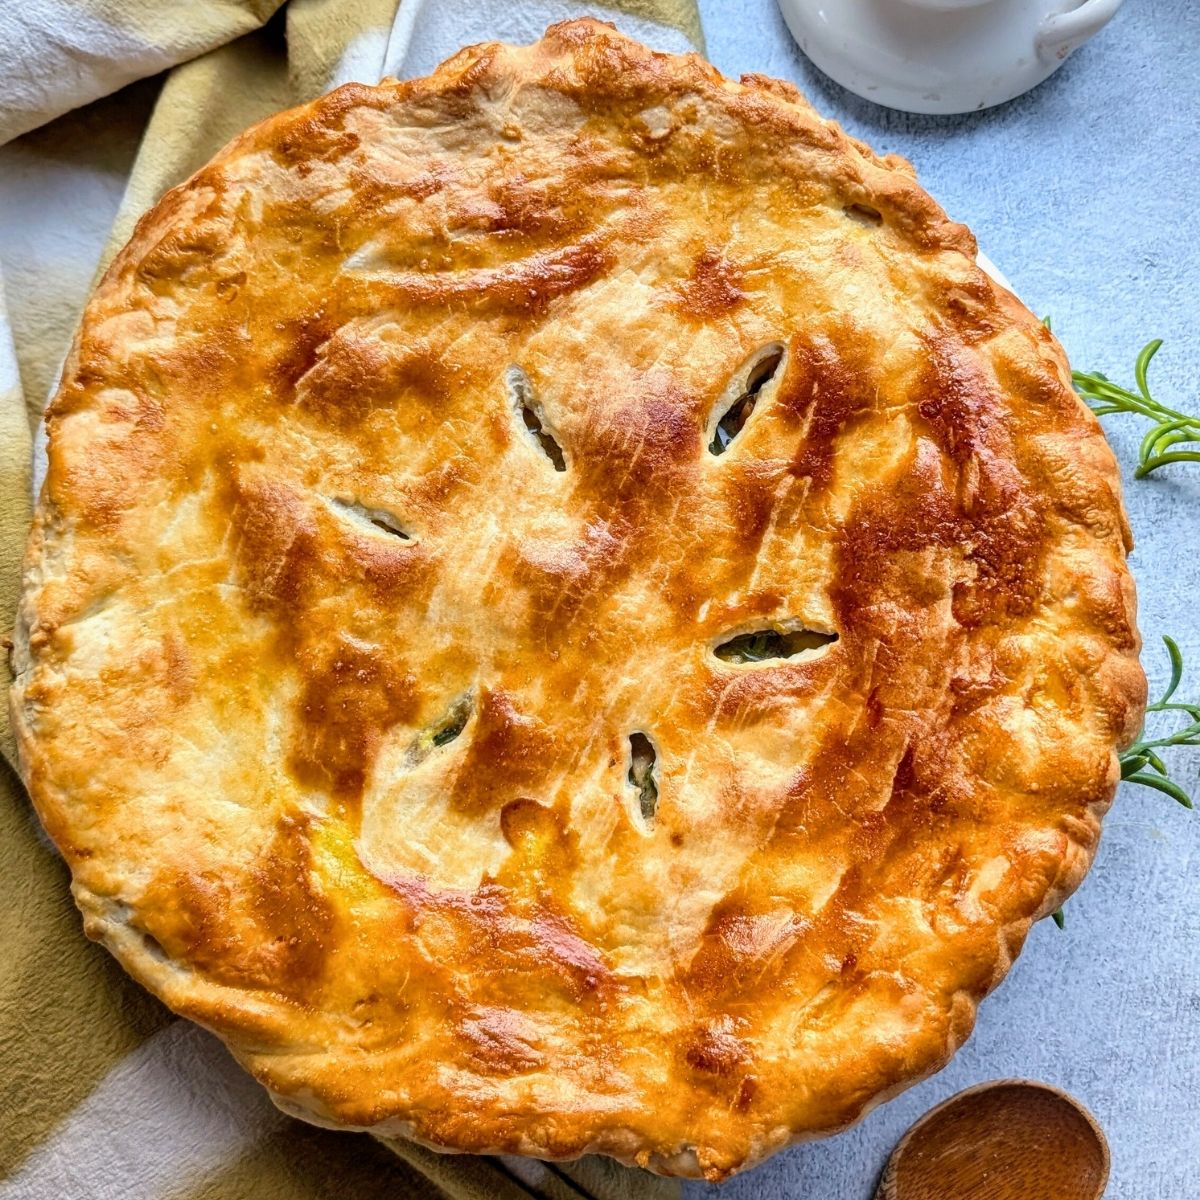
1011	1139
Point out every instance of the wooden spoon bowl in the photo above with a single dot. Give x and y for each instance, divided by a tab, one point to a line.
1011	1139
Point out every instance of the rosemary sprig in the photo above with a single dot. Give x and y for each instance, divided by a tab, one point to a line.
1141	763
1170	429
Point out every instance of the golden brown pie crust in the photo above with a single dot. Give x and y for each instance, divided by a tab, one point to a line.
327	675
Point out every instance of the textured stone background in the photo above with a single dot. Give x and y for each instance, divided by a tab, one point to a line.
1083	193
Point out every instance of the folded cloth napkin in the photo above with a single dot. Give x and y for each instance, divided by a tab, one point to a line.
104	1093
56	55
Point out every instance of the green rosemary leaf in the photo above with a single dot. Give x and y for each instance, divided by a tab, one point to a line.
1162	460
1176	657
1157	763
1059	919
1132	765
1148	351
1161	437
1170	428
1162	783
1142	753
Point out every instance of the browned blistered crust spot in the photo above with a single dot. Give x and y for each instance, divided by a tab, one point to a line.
300	573
715	1049
354	374
510	752
179	669
713	288
352	695
526	287
497	1043
563	576
272	933
829	382
527	940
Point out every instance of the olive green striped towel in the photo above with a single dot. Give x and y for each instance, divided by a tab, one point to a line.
104	1094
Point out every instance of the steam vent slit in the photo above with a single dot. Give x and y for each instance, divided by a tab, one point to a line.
864	214
643	774
371	520
760	370
532	417
453	723
763	645
444	731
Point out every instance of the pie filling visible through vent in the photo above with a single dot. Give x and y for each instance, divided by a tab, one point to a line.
567	614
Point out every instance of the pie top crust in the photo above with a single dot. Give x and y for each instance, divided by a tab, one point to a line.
331	685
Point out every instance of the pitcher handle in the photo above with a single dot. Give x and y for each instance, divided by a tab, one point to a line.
1061	33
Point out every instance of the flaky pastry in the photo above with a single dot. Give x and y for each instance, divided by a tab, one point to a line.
567	613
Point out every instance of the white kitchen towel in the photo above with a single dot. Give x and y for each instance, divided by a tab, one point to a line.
56	55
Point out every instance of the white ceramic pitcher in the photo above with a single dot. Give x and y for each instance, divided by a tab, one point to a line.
942	56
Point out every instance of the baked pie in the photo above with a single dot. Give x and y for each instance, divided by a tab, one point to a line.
568	614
